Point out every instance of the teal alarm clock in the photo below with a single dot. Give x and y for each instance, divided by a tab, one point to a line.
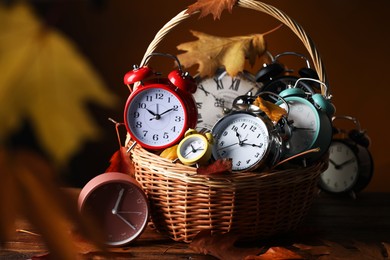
310	123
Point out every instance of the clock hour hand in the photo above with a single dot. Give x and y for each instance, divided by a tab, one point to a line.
254	145
151	112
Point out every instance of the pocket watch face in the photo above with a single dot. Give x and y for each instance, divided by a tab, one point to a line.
214	96
305	125
242	137
156	117
343	169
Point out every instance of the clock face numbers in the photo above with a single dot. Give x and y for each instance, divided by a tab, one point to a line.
120	210
156	117
243	138
343	169
193	148
214	97
305	126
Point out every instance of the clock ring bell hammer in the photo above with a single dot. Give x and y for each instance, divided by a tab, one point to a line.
247	136
160	110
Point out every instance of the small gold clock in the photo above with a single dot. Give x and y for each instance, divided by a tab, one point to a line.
195	148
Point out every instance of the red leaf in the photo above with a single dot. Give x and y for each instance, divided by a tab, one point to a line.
220	166
121	162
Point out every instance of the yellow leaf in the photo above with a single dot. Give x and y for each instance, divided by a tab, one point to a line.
274	112
46	80
170	152
212	52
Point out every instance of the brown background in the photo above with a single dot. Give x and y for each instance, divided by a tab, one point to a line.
352	37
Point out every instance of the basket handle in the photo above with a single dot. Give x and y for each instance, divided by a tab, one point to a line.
261	7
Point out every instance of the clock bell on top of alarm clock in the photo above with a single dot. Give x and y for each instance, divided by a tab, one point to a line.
159	110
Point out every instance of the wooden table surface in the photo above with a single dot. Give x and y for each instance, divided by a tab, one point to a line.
342	220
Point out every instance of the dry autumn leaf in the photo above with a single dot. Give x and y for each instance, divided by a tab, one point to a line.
220	246
212	52
120	161
45	80
274	112
275	253
220	166
214	7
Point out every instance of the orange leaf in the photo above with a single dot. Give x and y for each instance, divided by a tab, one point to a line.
220	246
275	253
213	52
274	112
214	7
121	162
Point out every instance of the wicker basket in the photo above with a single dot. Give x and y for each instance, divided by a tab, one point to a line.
252	205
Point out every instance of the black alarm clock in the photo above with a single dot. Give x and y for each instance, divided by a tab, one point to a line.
276	77
351	164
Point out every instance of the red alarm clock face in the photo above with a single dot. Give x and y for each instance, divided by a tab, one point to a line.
117	204
156	116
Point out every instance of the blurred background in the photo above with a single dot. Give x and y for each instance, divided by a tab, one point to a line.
112	36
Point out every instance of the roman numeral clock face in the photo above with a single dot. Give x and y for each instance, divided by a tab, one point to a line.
214	96
156	117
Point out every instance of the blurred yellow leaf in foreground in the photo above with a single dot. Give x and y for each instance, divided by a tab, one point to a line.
46	80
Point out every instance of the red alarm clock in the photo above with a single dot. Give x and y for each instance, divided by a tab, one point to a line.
159	111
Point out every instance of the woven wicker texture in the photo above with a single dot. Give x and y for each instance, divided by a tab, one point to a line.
253	205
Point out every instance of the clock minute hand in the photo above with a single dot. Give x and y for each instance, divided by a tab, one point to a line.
166	111
303	128
345	163
126	221
225	147
115	209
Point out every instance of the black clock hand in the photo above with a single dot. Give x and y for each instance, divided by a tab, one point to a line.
339	166
302	128
193	150
166	111
332	162
158	116
254	145
346	162
151	112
